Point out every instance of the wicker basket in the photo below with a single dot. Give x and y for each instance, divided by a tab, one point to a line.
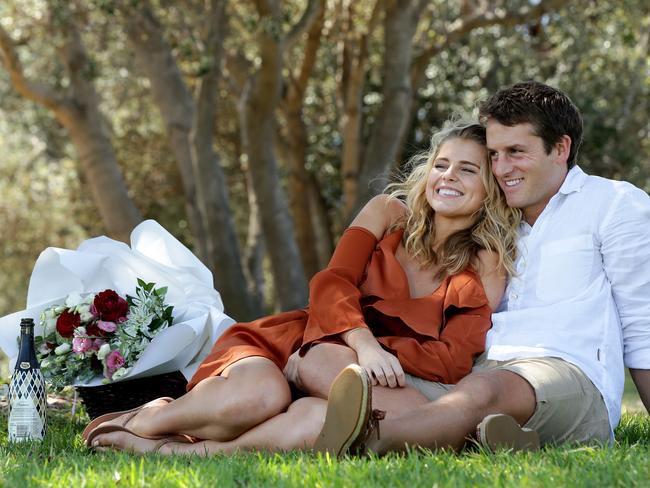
125	395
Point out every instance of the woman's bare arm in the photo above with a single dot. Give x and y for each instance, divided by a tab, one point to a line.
493	277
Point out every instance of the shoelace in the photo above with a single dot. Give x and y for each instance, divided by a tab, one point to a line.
359	447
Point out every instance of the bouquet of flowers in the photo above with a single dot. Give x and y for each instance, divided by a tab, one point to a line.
101	333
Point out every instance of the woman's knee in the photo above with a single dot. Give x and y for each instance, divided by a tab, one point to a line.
318	368
264	398
245	399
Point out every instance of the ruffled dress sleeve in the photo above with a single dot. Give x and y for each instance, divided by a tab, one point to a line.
448	356
334	292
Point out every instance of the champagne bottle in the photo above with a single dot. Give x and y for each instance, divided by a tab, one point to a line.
27	394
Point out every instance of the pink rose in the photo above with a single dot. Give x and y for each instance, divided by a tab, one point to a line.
114	361
81	345
107	326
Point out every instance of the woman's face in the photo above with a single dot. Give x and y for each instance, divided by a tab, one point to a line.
455	188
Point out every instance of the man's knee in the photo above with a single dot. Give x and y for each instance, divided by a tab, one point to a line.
497	391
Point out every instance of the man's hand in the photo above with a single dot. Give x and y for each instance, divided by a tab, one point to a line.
382	367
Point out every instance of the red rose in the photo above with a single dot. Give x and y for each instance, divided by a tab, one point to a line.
110	306
94	331
67	323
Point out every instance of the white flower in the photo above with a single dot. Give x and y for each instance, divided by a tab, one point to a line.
62	349
43	349
80	332
73	300
48	314
86	316
49	326
103	351
120	372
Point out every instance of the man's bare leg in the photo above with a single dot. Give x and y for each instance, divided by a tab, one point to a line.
450	420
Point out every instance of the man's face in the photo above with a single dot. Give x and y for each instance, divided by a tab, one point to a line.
528	176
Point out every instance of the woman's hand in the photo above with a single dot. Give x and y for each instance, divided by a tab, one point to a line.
291	369
382	367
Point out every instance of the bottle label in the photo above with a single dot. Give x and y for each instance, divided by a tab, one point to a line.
27	406
24	365
24	422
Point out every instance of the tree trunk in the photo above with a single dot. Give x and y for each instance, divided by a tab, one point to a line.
255	248
211	182
191	126
79	113
322	223
302	187
174	100
400	21
258	132
354	65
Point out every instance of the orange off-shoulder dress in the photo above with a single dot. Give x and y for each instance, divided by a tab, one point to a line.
435	337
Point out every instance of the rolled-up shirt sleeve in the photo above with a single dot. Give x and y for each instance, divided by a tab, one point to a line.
625	247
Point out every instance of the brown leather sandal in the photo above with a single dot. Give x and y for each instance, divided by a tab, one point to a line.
107	417
162	440
180	439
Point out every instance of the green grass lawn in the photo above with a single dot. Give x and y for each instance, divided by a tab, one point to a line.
62	461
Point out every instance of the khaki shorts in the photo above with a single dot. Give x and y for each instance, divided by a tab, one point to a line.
430	389
569	407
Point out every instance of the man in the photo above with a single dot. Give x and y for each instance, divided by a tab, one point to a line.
575	314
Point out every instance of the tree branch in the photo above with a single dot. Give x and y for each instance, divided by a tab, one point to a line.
311	50
313	9
239	70
485	18
37	92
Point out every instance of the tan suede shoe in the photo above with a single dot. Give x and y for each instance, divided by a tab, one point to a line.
499	431
348	411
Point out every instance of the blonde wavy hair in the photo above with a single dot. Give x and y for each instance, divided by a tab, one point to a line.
495	225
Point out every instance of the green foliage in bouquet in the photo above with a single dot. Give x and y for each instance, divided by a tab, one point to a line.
100	334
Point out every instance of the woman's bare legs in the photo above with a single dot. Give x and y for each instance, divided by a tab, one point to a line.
297	428
323	362
248	392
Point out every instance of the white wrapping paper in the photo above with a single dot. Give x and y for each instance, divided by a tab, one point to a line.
102	263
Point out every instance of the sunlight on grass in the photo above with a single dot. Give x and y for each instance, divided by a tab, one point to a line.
62	460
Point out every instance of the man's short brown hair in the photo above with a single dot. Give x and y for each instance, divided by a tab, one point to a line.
551	113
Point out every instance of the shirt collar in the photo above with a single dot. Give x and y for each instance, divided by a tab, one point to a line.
574	181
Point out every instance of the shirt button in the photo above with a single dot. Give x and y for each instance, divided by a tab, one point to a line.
514	296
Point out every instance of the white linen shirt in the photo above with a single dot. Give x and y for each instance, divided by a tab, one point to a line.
582	289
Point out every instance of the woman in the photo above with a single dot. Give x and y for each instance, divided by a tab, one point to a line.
410	288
